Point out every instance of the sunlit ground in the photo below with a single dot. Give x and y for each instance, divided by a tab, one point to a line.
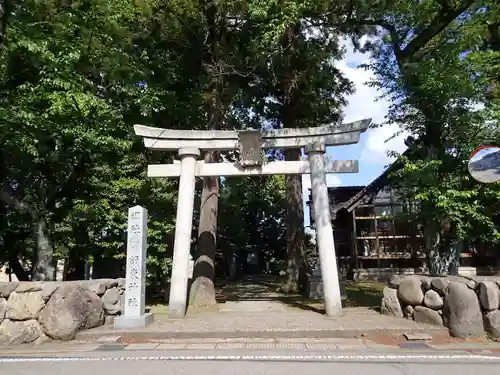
359	294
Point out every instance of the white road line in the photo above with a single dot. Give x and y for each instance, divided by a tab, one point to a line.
259	358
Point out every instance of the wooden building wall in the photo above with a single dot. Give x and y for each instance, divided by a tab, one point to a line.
372	229
384	236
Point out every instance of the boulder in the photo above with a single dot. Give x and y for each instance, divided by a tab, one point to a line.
49	287
100	286
7	288
29	286
394	281
472	284
71	308
440	284
121	283
433	300
492	323
15	333
426	282
488	295
408	312
461	311
390	303
426	315
410	291
24	306
97	286
3	304
111	301
202	293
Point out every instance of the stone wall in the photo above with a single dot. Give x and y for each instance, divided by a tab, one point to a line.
38	311
384	274
379	274
469	307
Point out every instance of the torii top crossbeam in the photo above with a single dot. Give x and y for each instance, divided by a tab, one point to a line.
227	140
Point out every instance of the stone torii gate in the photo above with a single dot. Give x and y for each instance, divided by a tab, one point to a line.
251	143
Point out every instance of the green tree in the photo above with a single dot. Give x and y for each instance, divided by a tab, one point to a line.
251	217
70	94
419	63
296	86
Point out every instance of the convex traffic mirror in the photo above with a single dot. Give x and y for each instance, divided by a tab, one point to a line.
484	164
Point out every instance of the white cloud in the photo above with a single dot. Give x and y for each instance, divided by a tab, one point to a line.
377	145
365	103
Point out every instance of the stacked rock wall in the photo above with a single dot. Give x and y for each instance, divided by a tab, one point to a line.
469	307
37	311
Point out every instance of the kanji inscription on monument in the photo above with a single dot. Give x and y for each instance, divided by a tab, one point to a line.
135	294
135	287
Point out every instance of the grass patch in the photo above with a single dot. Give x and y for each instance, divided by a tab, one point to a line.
359	294
364	294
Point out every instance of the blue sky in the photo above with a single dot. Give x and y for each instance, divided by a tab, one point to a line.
482	153
372	149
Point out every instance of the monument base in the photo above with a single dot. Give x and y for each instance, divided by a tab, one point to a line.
142	321
313	287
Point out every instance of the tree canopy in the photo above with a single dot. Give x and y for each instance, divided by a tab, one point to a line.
76	75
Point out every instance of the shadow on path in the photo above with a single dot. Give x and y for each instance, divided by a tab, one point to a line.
265	288
264	291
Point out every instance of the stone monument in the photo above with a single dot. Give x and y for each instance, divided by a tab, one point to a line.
135	315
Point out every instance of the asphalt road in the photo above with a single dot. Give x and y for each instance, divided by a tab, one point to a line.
245	363
487	176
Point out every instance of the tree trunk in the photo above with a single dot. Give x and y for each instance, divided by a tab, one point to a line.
431	243
43	268
16	267
75	269
294	205
444	261
444	255
441	258
295	245
76	260
12	248
202	291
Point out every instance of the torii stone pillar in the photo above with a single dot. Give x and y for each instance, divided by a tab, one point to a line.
183	231
324	231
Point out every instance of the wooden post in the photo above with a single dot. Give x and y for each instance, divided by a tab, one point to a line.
354	236
377	242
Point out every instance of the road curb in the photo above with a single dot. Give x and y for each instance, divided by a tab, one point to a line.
336	346
367	358
139	336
